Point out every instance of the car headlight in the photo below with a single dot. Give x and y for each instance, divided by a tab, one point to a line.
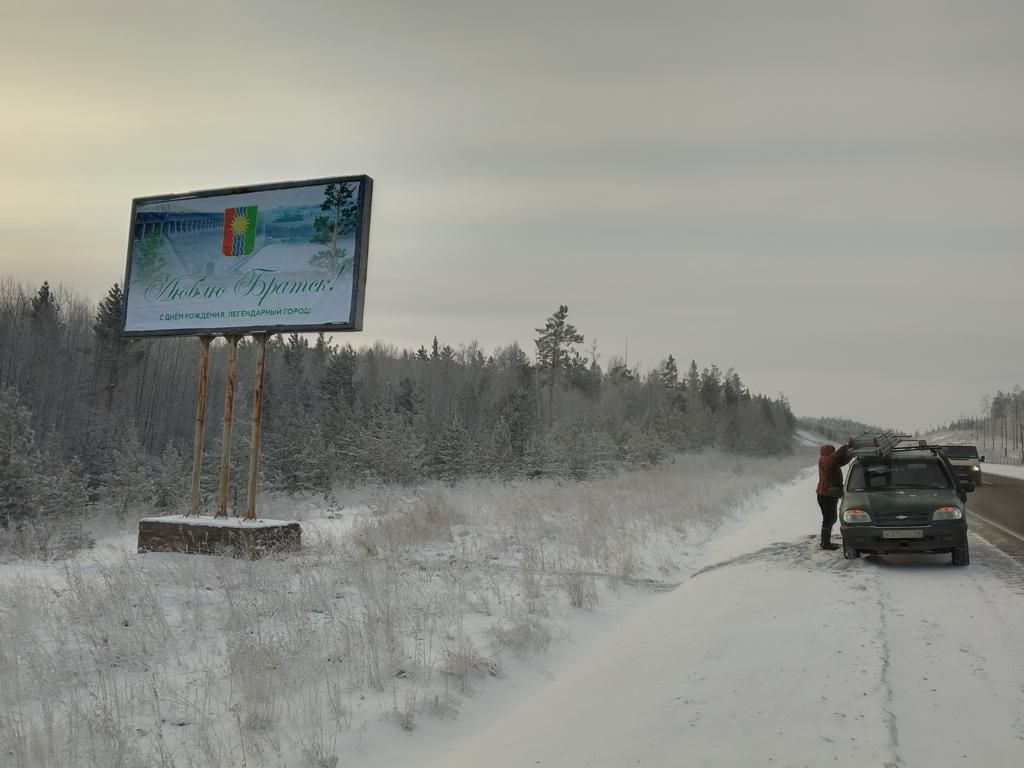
976	468
947	513
856	516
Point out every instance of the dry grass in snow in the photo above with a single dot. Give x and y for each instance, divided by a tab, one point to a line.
401	604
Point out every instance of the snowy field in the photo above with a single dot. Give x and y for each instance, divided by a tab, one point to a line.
680	616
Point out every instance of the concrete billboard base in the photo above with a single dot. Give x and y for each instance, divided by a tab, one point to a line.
231	536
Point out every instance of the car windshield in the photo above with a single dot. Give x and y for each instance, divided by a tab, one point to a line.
882	475
960	451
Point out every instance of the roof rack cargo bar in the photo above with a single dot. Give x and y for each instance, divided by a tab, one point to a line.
876	443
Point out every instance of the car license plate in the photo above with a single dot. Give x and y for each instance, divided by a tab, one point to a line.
900	533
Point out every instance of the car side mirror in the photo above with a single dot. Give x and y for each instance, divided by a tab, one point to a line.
968	487
982	458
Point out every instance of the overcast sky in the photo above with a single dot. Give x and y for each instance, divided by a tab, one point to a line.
826	196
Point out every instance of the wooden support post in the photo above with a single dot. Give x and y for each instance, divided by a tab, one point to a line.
257	425
229	406
200	426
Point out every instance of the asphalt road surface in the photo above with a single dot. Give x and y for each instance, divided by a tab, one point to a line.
995	511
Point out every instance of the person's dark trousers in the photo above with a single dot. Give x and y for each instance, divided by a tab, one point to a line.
828	506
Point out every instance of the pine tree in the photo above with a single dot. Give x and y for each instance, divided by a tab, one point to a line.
711	388
732	389
338	383
450	459
518	412
669	374
295	350
171	486
127	484
535	456
111	346
388	448
62	504
643	448
692	384
321	352
555	344
338	221
45	309
296	456
20	463
148	264
500	456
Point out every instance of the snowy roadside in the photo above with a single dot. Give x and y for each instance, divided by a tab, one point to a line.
1003	470
768	652
402	608
777	653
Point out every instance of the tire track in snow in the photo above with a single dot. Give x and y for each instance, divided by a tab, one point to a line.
771	552
805	554
888	706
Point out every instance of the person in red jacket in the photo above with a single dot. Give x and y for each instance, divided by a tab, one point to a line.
830	475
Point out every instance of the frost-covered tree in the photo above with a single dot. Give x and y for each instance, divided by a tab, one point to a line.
451	453
389	449
173	480
711	388
128	482
499	459
644	448
20	463
295	454
669	374
377	412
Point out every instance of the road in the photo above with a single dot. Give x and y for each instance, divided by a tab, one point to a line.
996	513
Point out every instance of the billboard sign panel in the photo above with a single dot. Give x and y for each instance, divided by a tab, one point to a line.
274	257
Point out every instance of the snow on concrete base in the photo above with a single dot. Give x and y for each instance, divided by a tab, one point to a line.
218	535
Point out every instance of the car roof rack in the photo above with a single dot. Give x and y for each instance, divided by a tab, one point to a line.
879	443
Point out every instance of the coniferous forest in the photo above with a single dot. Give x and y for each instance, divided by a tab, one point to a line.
90	418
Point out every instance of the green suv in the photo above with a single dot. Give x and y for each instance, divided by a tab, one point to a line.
908	500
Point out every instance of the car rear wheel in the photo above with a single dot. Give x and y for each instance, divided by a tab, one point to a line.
849	553
961	555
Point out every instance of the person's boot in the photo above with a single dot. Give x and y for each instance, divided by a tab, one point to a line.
826	540
829	545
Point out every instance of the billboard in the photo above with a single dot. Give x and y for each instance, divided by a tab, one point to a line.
273	257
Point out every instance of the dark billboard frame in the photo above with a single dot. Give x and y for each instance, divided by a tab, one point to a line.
359	264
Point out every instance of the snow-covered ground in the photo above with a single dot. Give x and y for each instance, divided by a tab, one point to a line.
1006	470
749	646
777	653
